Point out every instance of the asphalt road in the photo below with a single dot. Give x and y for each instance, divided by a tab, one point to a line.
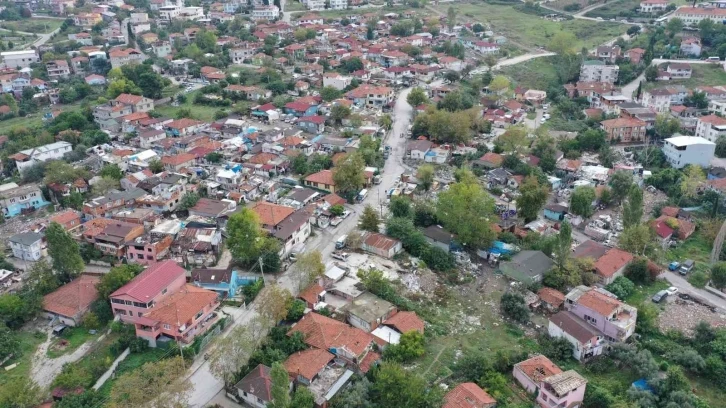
208	387
684	287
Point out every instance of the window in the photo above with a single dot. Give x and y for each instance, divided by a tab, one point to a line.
140	314
167	327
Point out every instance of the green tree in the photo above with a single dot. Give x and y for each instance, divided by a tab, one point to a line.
499	84
349	175
116	278
154	380
666	125
386	122
20	392
513	139
581	201
308	268
303	398
468	211
674	26
533	197
718	275
636	239
41	278
400	207
621	287
417	96
244	235
409	347
188	201
620	184
9	343
215	157
692	179
563	245
633	207
563	43
64	252
104	185
451	18
156	166
395	387
369	220
513	306
425	175
112	171
329	93
721	147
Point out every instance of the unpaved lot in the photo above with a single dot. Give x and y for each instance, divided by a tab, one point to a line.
45	369
684	315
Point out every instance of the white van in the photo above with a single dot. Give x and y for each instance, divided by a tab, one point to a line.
340	243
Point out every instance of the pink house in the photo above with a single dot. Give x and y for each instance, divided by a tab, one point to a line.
179	317
529	373
147	250
136	298
565	389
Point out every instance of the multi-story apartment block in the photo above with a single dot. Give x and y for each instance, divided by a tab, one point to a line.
711	127
269	13
86	20
58	69
691	16
624	129
653	6
24	159
243	52
597	71
19	59
602	310
147	250
161	48
680	151
371	96
128	56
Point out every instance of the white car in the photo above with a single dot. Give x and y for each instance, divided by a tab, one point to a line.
546	116
543	120
672	290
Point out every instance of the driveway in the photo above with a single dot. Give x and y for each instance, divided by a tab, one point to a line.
44	369
207	387
702	294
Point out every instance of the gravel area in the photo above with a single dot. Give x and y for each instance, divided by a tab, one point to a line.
684	315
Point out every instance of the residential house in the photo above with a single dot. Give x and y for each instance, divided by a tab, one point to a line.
255	389
368	311
15	200
301	109
148	249
624	130
69	303
178	162
530	373
251	93
223	281
527	266
679	70
312	124
555	212
452	63
58	69
381	245
86	20
183	127
635	55
490	160
565	389
597	71
468	395
587	341
608	53
127	56
293	230
269	13
551	299
711	127
612	264
149	288
180	317
691	46
209	208
111	202
27	246
19	59
602	310
70	219
313	296
305	366
691	16
439	237
336	80
322	180
371	96
347	343
667	228
113	238
653	6
95	79
417	149
25	159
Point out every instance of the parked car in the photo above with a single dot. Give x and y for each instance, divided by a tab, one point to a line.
660	296
673	266
341	256
672	290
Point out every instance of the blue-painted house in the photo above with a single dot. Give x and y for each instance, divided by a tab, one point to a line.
555	212
223	281
300	109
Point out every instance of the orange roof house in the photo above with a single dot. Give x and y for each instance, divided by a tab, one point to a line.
405	322
612	264
325	333
71	301
468	395
305	365
322	180
271	214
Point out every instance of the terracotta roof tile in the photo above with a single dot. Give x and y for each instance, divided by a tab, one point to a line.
538	368
613	260
272	214
599	302
182	306
151	281
405	322
310	294
321	177
73	297
325	333
468	395
551	296
308	363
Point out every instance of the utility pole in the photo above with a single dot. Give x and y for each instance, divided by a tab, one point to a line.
261	271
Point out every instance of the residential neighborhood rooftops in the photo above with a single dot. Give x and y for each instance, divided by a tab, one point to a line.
325	333
308	363
272	214
563	383
405	322
321	177
73	297
575	326
613	260
538	367
257	382
151	281
26	238
468	395
182	306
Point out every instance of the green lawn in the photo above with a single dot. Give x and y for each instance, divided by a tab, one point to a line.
199	112
350	12
33	120
532	31
34	25
29	342
703	74
536	73
76	336
643	293
294	6
133	362
696	247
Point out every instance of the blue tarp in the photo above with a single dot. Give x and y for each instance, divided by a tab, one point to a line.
499	247
642	385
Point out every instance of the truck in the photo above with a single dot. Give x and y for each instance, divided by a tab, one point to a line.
377	179
362	195
340	243
340	255
686	267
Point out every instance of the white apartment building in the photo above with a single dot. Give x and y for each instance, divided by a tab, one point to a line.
315	5
711	127
338	4
681	151
597	71
24	159
717	107
653	6
239	55
266	13
168	13
691	16
336	80
19	59
138	18
27	246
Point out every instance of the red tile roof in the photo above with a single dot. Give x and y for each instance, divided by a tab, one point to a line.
468	395
405	322
613	260
334	199
493	158
310	294
325	333
178	159
128	99
317	119
150	282
371	358
73	297
599	302
537	368
551	296
271	214
308	363
321	177
181	307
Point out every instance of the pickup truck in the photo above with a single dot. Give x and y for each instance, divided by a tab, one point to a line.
341	256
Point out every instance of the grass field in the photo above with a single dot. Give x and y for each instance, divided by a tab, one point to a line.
35	25
28	344
75	336
350	12
561	4
199	112
696	247
533	31
623	8
536	73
